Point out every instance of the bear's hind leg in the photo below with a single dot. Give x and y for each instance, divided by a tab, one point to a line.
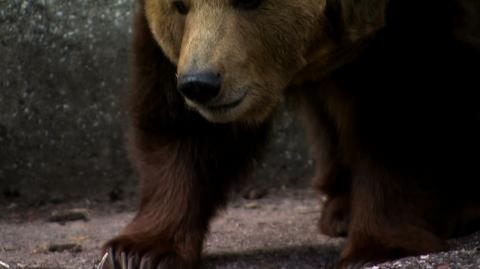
388	218
335	217
332	177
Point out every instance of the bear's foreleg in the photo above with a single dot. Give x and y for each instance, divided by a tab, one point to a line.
184	182
186	165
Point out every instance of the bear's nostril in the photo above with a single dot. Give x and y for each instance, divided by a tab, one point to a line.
199	87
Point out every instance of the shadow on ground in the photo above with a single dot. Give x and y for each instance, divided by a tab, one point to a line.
304	257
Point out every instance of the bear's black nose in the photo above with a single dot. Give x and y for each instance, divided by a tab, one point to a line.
200	87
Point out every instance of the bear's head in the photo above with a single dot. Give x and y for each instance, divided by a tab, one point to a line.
235	58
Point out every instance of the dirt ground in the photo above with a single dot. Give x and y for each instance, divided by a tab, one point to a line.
275	232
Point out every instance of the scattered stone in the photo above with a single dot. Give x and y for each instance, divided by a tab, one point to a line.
79	239
12	206
41	267
69	215
7	248
22	266
303	209
255	194
443	266
74	248
57	199
252	205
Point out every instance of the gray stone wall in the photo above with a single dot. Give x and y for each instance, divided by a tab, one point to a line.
63	72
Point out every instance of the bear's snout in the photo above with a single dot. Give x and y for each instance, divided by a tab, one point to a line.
200	87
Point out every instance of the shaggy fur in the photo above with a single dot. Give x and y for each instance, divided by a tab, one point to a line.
390	100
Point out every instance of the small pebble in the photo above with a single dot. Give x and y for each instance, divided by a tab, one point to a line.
255	194
74	248
305	209
42	267
69	215
252	205
57	199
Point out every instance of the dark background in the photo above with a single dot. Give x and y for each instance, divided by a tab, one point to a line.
63	72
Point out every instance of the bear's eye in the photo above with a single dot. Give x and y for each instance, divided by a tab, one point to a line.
246	4
181	7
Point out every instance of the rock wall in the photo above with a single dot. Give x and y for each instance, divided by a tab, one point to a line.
63	71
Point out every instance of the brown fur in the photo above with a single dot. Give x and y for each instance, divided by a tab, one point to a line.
388	98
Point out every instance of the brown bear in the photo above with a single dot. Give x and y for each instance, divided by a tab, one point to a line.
389	92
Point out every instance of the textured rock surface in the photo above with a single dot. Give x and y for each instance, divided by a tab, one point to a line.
63	71
63	68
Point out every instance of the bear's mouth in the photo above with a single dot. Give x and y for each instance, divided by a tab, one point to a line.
227	106
223	110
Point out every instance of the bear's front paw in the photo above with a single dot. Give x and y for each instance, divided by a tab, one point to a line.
117	257
335	217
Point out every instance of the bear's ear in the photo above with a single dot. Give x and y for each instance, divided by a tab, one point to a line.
355	19
153	99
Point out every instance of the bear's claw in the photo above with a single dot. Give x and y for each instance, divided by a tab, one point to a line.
127	261
103	261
